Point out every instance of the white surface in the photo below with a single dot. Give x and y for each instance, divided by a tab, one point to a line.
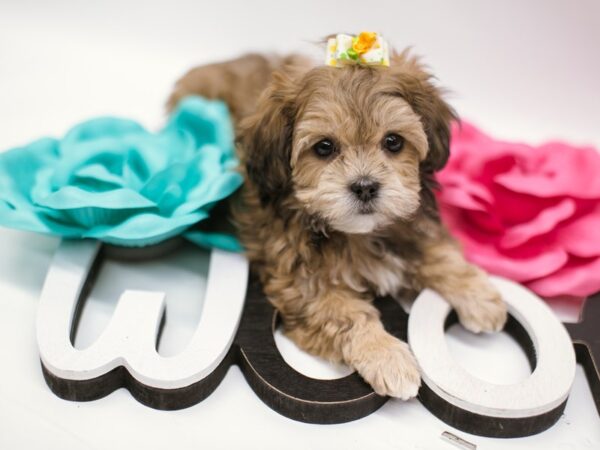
129	339
544	390
523	70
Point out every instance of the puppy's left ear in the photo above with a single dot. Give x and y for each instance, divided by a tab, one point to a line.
413	82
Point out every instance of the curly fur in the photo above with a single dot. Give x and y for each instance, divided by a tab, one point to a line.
321	256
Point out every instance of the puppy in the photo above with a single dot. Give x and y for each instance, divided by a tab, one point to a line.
337	206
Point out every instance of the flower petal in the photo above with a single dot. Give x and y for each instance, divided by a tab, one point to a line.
71	197
97	175
168	188
221	187
564	170
471	150
99	127
36	221
580	278
524	263
214	240
544	222
19	168
580	237
458	190
513	208
145	229
207	121
517	267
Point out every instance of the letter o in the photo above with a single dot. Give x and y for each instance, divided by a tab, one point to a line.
487	409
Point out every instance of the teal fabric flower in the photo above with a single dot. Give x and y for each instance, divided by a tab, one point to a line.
112	180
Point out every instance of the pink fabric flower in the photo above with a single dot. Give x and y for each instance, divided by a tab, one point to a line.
531	214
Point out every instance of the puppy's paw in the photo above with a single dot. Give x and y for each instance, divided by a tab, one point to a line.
481	309
390	368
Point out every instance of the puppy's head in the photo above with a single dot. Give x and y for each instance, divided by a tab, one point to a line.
352	145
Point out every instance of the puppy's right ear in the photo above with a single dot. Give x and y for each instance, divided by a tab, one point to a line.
266	140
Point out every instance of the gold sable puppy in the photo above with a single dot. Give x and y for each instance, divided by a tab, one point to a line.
337	205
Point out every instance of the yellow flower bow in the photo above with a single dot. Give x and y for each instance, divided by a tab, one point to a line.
366	48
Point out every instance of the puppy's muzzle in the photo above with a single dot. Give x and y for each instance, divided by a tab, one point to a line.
365	189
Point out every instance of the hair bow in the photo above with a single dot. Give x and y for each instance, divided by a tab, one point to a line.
367	48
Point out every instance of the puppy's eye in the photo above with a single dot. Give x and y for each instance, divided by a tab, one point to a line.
393	142
324	148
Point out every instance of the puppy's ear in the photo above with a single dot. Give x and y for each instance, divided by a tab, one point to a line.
266	140
413	83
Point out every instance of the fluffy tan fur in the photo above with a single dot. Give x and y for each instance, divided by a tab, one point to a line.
321	256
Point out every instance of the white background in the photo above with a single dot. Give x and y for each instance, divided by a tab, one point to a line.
521	70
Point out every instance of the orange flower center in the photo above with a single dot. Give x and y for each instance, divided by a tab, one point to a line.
364	41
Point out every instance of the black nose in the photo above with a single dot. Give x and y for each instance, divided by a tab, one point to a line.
365	189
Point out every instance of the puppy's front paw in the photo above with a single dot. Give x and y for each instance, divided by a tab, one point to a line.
390	368
481	309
